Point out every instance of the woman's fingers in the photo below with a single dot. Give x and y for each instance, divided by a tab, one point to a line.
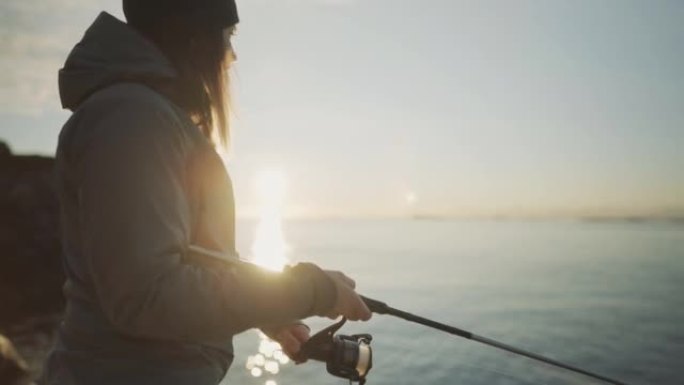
362	311
341	278
350	282
289	343
291	338
301	332
349	304
358	311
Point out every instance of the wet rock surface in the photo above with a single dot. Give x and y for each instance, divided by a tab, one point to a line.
31	274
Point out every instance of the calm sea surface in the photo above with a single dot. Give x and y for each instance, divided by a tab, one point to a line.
605	296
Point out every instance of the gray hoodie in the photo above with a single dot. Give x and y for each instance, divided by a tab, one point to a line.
138	185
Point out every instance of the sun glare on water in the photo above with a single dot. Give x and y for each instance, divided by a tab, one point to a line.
269	248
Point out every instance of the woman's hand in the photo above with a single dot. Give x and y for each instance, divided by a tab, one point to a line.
348	304
291	337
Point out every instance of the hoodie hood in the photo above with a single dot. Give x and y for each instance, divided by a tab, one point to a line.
110	51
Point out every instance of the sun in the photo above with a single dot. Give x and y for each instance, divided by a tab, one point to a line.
410	198
269	249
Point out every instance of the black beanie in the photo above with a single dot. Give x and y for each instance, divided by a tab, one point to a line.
140	13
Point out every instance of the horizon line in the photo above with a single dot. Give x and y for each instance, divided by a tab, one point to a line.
655	217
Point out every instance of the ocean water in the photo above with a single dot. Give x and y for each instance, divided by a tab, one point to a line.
606	296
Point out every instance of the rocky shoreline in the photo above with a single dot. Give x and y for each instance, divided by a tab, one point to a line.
31	274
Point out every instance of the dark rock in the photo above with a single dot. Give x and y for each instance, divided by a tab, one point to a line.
13	369
31	274
5	151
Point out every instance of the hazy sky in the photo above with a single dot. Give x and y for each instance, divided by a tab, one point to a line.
474	107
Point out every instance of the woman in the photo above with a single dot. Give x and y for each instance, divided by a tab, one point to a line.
141	186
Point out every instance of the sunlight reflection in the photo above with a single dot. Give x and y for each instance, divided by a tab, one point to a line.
269	250
268	360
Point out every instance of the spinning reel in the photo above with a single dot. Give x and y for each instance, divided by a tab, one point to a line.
347	357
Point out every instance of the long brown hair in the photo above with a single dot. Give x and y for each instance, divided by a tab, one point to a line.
198	51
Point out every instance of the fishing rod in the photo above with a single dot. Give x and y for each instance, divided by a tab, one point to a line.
357	347
380	307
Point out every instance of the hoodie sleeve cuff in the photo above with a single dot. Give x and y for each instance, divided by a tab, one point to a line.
324	291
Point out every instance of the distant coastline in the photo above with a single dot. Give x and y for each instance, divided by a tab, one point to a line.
581	218
635	219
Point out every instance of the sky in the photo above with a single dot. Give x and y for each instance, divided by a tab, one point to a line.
430	107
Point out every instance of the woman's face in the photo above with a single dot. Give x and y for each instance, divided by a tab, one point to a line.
228	44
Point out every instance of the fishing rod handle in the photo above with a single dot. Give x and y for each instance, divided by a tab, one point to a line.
374	305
